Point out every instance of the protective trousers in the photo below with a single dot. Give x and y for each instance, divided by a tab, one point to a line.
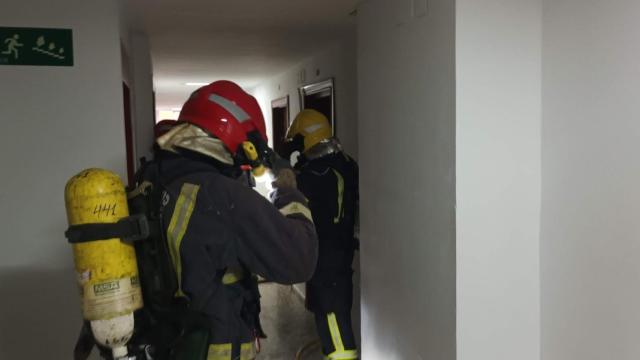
338	341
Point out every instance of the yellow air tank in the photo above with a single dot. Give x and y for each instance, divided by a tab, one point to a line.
106	270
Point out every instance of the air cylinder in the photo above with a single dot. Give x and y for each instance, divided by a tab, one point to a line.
106	270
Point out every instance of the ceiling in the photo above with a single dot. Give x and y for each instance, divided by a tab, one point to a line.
246	41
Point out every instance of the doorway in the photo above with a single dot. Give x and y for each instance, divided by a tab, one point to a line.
280	120
128	132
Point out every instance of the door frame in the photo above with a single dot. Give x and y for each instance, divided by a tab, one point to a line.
280	103
128	131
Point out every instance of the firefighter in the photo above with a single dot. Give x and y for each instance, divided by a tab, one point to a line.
328	177
221	232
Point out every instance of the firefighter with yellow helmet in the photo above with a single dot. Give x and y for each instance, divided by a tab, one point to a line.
328	177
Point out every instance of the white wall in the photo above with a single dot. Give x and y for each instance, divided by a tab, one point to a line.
591	173
407	159
547	255
498	70
57	121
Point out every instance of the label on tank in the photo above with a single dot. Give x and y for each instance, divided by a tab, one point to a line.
113	298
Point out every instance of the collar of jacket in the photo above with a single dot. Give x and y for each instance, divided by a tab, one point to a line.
192	138
174	166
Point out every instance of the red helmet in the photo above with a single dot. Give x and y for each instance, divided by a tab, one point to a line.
225	111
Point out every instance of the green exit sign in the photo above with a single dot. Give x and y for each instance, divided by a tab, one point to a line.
36	46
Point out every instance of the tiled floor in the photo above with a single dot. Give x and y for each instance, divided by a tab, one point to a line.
288	325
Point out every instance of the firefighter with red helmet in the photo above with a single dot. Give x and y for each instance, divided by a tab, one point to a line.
219	231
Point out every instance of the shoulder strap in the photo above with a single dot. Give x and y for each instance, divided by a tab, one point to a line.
131	228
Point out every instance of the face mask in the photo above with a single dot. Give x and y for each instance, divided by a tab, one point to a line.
293	145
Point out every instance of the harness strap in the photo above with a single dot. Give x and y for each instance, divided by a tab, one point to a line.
129	229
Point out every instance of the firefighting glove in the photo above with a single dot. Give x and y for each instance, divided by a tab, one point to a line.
284	178
275	162
283	175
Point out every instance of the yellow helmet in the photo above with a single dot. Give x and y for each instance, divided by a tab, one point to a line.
310	125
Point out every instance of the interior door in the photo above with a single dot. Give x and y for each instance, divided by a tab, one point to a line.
280	121
128	132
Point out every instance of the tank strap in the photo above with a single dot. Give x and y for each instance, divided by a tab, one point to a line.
129	229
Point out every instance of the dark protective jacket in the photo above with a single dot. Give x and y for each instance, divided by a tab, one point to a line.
221	231
330	183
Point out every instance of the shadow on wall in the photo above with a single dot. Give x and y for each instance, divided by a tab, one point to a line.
39	313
